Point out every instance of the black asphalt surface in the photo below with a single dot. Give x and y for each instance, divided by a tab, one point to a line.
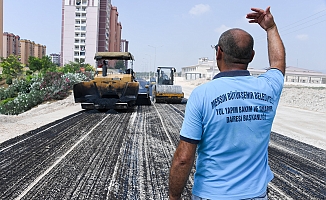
93	155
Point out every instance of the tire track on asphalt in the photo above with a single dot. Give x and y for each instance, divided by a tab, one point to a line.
137	156
295	175
272	189
272	144
173	118
160	154
56	162
163	125
111	188
89	167
308	151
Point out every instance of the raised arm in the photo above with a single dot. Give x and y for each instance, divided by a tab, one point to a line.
276	51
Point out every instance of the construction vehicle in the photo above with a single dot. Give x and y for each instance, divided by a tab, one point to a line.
110	89
164	91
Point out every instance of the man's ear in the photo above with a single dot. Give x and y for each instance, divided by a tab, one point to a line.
218	53
252	55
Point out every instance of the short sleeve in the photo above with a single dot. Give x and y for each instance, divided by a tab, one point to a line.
275	80
192	127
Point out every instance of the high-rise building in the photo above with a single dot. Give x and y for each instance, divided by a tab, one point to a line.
115	30
11	45
88	26
29	48
124	45
55	58
1	27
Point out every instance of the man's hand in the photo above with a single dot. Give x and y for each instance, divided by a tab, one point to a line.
263	18
276	51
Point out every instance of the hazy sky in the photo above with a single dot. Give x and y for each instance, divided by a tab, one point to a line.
181	31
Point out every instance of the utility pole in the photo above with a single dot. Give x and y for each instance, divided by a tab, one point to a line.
154	56
149	72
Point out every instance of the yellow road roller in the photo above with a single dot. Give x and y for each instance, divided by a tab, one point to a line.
164	91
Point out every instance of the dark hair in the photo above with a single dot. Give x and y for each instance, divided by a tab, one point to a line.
237	47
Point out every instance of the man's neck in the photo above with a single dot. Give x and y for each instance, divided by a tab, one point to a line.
233	67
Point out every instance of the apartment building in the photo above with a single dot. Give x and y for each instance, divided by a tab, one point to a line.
115	30
11	45
88	26
55	58
29	48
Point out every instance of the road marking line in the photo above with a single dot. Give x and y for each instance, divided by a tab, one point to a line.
57	162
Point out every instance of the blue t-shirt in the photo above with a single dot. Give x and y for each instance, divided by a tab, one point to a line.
230	118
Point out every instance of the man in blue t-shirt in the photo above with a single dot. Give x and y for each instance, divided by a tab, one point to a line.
229	119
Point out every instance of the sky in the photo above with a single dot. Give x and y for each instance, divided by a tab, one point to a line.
179	32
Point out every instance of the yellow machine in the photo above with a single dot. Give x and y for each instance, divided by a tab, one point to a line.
164	91
110	89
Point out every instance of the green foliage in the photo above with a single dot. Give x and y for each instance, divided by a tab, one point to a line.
42	65
11	66
6	101
43	81
18	86
34	64
23	95
8	80
89	68
71	67
54	86
29	73
22	103
47	64
75	67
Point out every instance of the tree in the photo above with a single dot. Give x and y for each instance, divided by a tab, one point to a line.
43	64
47	64
11	66
34	64
120	65
73	67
